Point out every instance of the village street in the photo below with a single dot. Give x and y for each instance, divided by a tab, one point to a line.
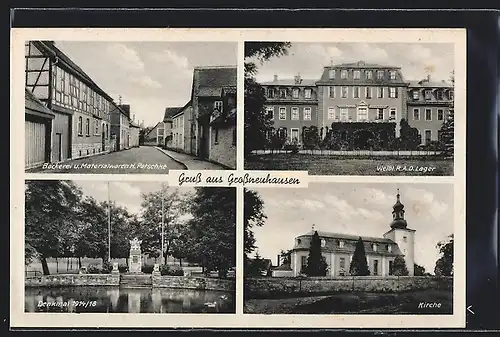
144	160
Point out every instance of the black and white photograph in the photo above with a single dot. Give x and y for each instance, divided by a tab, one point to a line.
350	248
129	107
128	247
350	108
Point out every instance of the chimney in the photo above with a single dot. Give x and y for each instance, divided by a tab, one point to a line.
278	264
298	80
275	78
428	77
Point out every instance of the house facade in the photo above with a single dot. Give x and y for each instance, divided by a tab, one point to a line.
81	124
429	103
291	105
120	127
338	249
134	134
178	125
155	136
170	124
207	97
357	104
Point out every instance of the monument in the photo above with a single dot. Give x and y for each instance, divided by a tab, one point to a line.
135	259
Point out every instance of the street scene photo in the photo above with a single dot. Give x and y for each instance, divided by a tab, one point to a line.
129	247
129	107
349	248
350	108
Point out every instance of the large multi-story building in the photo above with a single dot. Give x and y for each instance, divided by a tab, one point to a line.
338	249
428	106
81	124
348	96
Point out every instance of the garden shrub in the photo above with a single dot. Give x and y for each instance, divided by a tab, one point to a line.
147	269
171	270
123	268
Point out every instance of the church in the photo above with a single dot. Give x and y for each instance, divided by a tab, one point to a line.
338	249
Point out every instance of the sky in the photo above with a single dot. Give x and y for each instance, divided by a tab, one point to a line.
149	76
124	193
308	59
357	209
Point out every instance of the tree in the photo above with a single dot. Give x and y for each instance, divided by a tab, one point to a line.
447	131
286	257
257	123
253	216
409	136
49	215
316	264
399	267
359	266
444	265
419	270
213	229
173	207
310	137
256	266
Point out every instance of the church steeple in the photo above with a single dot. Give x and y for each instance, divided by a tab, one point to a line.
398	214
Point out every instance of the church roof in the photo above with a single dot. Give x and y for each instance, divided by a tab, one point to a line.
332	239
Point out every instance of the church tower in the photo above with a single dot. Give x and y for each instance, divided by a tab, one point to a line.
402	235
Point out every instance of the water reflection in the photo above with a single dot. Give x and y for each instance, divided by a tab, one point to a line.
131	300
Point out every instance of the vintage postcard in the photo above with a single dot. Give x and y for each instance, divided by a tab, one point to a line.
334	199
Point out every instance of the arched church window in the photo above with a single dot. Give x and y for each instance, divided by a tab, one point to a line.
394	215
323	242
298	241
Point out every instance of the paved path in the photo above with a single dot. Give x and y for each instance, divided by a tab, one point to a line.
144	160
192	162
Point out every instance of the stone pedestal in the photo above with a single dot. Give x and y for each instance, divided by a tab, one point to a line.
135	259
156	270
115	268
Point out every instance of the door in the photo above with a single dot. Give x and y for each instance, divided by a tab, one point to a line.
35	144
204	129
103	140
58	147
375	267
428	136
295	135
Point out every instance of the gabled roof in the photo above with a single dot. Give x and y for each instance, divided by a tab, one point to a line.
362	65
50	48
429	84
170	112
291	82
31	102
209	81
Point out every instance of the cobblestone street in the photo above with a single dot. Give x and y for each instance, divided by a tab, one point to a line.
144	160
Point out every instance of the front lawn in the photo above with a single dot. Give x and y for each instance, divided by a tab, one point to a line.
338	165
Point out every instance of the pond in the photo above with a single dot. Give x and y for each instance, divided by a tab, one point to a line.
127	300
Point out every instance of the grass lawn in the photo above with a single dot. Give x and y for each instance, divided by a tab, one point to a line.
356	303
337	165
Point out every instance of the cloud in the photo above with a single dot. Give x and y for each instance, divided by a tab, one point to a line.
327	53
146	81
125	57
425	203
346	211
375	196
370	52
167	56
123	187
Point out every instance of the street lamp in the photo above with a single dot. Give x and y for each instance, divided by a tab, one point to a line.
162	227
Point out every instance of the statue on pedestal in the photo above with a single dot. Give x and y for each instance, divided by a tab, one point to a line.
135	258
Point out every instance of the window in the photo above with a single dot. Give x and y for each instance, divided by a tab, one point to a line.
80	125
362	114
270	112
298	241
368	92
374	247
380	75
355	92
428	94
303	263
87	127
295	93
270	93
218	106
416	114
342	263
294	134
331	113
282	93
234	136
341	244
439	94
392	113
392	75
295	114
107	131
389	248
380	113
331	73
216	138
375	267
380	92
331	92
428	114
393	92
343	74
323	242
391	267
440	115
369	74
343	114
344	92
307	93
416	94
405	239
356	74
282	115
428	136
307	114
450	94
96	127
